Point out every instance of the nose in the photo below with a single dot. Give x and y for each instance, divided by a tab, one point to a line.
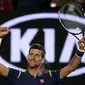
31	57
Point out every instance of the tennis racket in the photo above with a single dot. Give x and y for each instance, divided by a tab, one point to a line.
72	9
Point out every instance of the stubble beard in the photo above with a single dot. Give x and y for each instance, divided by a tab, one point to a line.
33	67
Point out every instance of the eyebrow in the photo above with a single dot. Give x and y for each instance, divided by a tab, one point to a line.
34	54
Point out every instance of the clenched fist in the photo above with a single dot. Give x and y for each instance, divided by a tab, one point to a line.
81	44
3	31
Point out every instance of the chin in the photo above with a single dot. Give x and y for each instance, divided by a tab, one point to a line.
33	66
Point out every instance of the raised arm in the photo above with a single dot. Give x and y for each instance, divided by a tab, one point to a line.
3	69
75	61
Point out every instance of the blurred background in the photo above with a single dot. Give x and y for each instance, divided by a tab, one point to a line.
36	21
11	5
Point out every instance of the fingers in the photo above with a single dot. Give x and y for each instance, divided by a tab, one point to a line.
3	28
81	42
3	31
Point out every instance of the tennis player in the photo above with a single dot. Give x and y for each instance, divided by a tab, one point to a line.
35	58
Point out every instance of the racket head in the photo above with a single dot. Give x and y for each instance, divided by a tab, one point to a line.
71	9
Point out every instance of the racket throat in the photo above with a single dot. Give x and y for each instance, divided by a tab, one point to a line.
84	33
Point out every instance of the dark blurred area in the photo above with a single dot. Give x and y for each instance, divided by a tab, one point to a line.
11	5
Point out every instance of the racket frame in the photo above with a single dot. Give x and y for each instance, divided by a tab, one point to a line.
74	34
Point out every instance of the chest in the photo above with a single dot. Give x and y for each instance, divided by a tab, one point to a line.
43	80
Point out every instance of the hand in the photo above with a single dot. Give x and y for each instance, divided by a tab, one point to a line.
81	44
3	31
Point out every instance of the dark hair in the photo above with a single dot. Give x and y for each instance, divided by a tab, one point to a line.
39	47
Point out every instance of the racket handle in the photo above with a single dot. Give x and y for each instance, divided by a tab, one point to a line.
84	34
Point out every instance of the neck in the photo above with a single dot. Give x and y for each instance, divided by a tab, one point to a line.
34	71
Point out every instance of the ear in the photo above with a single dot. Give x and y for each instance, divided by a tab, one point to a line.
43	60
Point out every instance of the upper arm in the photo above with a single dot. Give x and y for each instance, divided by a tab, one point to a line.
4	70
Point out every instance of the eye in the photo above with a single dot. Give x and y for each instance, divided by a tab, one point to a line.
31	54
37	55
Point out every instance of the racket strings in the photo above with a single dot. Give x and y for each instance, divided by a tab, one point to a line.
73	9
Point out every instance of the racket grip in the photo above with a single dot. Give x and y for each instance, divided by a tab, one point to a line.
84	34
79	53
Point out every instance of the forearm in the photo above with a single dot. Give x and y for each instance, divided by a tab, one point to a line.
4	70
74	63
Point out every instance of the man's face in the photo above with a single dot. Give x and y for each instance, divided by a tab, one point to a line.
34	58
